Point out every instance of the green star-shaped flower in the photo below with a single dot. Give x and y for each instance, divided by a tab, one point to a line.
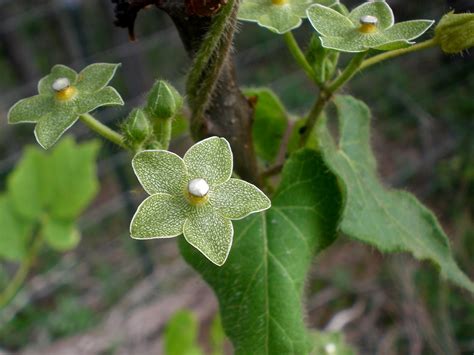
279	16
194	196
368	26
63	96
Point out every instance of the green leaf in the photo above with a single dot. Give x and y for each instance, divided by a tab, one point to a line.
96	76
181	335
392	221
237	199
73	178
159	216
60	235
217	336
260	286
27	184
269	124
107	96
61	183
210	159
15	232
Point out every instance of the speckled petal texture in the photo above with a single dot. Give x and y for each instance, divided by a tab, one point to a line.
104	97
329	22
30	109
159	216
379	9
51	126
160	171
211	160
210	233
236	199
96	76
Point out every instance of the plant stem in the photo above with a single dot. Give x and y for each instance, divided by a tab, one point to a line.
298	54
430	43
17	281
326	93
352	68
162	131
102	130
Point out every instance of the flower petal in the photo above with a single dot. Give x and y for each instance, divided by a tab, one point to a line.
96	76
299	7
160	171
210	233
377	8
90	101
52	125
159	216
237	199
280	19
408	30
30	109
251	10
210	159
343	44
329	22
58	71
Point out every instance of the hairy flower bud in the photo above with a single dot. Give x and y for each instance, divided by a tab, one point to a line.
137	128
164	101
455	32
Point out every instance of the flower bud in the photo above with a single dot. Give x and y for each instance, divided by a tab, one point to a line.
455	32
164	101
137	128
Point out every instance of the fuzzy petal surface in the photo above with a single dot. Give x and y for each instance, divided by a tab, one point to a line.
159	216
160	171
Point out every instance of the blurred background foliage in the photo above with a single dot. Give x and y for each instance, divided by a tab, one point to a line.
114	295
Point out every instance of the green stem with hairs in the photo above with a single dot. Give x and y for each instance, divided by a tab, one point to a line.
326	94
162	131
102	130
208	63
298	54
20	276
430	43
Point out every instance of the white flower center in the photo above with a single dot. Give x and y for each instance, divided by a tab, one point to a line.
369	20
198	187
61	84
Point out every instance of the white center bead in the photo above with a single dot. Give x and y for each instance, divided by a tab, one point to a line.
61	84
198	187
369	20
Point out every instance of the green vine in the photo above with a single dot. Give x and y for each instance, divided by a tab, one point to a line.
208	63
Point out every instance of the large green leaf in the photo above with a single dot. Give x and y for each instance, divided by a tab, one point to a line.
73	177
392	221
270	122
181	335
60	235
60	183
26	188
260	286
14	232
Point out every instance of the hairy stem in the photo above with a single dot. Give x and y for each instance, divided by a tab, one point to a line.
102	130
430	43
326	94
19	278
162	131
225	110
298	54
207	65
